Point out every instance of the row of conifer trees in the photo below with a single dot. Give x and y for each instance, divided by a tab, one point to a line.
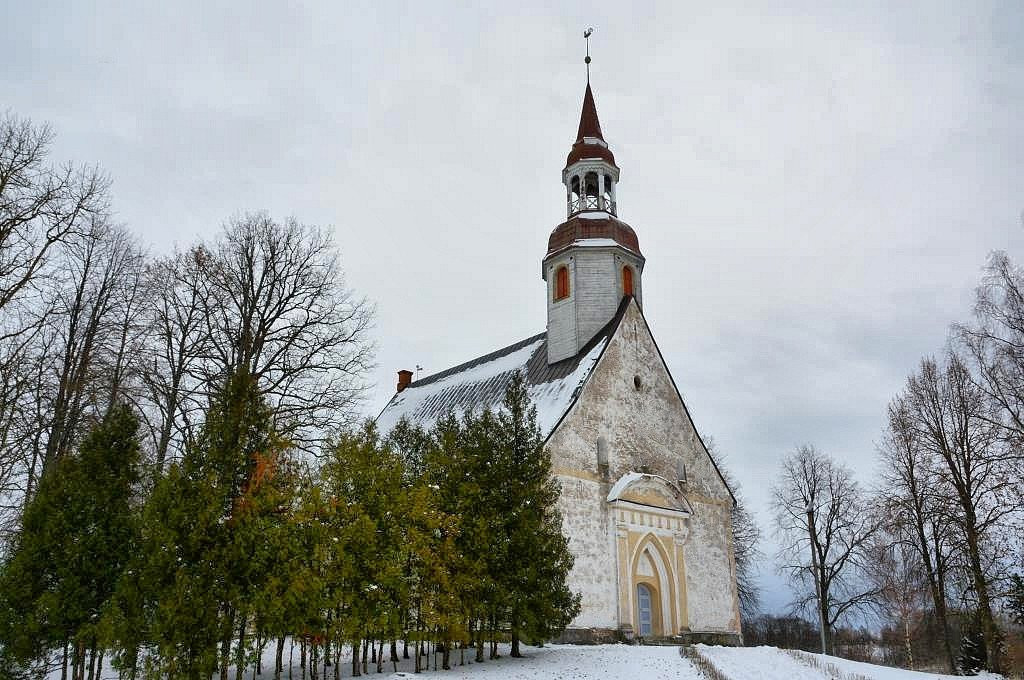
445	538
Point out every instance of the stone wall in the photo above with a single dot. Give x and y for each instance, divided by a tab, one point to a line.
631	402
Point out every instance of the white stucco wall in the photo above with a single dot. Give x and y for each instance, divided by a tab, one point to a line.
595	290
647	429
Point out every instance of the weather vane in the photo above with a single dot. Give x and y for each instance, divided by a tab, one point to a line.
586	36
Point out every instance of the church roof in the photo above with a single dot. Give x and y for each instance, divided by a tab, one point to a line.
590	226
588	134
481	383
590	126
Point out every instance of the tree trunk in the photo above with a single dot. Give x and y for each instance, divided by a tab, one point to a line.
240	652
279	658
92	660
225	644
366	644
64	662
446	652
494	636
480	642
302	657
988	624
515	645
355	658
394	655
78	661
906	641
934	572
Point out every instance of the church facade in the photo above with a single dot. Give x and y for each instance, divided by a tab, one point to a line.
646	510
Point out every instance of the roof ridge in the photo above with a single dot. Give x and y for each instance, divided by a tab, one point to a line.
458	368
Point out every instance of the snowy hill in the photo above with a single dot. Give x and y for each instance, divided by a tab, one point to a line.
770	663
623	662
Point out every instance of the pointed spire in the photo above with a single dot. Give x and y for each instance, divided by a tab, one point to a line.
590	126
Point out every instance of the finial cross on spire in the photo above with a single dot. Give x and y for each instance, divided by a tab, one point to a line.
586	36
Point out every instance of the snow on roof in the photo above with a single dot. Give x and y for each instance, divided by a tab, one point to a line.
594	242
623	482
481	383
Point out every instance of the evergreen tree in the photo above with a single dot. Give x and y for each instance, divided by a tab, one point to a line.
79	530
1016	599
363	480
202	527
972	653
535	553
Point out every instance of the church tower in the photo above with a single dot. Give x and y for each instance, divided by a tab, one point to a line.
593	258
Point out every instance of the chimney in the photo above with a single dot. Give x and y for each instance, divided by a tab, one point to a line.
404	378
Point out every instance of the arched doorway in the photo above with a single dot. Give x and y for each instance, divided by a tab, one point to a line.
651	578
651	525
644	610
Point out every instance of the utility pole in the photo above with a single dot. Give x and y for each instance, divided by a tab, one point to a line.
817	572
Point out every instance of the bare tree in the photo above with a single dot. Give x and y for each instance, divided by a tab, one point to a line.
895	569
176	344
956	423
915	501
994	344
746	539
42	207
824	521
277	306
39	205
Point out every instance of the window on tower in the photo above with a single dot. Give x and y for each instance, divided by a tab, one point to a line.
627	280
590	191
561	283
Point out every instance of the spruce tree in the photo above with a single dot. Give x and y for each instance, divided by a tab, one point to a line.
201	531
363	480
1016	599
57	585
535	552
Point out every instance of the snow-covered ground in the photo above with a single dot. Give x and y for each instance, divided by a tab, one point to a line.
770	663
623	662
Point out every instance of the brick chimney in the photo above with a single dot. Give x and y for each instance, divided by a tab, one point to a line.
404	378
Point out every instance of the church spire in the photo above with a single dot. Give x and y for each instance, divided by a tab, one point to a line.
590	126
593	259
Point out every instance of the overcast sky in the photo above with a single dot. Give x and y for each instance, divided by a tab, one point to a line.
815	189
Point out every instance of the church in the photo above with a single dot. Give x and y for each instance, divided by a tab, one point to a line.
645	508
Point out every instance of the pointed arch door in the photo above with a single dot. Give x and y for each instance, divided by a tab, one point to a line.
645	610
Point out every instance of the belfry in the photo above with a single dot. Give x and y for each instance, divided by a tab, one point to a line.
593	258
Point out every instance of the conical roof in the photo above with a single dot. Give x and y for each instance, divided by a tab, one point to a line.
589	140
590	126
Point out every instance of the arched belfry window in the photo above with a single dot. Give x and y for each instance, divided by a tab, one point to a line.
590	191
561	283
574	195
627	280
608	197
